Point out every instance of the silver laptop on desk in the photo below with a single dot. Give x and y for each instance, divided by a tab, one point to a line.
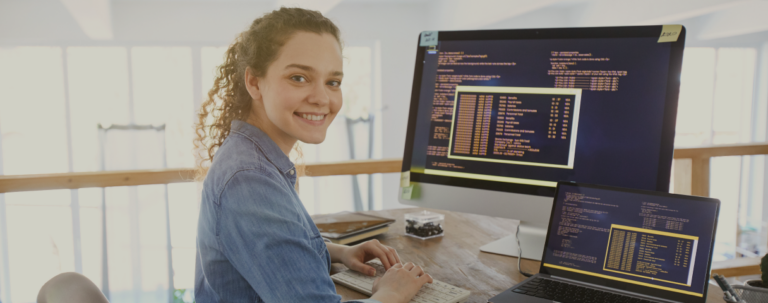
607	244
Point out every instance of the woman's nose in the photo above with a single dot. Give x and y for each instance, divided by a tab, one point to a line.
319	95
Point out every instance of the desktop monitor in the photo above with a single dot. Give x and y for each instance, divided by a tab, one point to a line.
498	117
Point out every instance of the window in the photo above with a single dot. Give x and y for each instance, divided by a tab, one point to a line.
32	124
141	85
716	107
162	87
32	118
98	94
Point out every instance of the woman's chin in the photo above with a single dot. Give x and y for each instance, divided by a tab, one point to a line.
313	139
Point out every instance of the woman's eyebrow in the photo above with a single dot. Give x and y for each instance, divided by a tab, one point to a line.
310	69
301	66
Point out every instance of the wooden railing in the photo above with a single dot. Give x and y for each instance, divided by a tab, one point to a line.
691	176
16	183
691	172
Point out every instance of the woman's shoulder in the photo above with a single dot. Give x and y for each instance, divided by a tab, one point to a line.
236	154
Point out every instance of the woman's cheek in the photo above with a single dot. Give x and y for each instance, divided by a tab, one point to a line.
291	101
336	105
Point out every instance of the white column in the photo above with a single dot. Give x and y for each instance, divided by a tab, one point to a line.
75	200
133	196
169	246
197	80
378	181
760	129
5	278
198	95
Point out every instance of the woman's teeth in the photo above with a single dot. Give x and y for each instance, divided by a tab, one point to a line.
313	117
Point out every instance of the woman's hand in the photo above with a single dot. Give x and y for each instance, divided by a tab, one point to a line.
400	283
354	257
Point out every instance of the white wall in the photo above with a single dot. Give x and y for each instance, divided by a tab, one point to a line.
37	21
395	24
215	23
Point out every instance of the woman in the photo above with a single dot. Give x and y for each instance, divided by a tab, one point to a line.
256	242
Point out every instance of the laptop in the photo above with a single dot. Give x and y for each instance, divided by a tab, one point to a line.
608	244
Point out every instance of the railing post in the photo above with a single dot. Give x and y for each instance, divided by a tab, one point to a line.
682	176
700	176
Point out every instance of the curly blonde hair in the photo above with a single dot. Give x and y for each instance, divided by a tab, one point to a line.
255	48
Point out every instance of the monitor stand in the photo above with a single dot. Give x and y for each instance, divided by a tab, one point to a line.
532	240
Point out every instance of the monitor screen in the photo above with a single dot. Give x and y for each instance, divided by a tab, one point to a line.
653	243
520	110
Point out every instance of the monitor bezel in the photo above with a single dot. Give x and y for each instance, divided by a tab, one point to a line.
670	110
650	291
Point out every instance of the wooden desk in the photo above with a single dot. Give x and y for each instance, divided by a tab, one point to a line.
456	258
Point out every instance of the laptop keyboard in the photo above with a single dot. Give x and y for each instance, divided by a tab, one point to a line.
572	293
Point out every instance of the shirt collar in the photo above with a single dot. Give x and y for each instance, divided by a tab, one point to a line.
270	149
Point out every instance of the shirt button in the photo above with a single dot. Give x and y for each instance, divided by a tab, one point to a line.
291	172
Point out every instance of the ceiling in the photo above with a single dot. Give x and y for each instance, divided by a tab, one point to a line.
708	21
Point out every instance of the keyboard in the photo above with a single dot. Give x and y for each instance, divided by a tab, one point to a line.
572	293
436	292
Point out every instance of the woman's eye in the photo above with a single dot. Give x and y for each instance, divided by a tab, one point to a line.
299	78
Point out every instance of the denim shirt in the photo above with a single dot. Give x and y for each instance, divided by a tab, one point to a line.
255	240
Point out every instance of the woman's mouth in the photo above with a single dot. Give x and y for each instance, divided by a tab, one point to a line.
312	118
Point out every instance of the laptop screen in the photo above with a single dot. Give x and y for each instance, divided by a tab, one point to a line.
654	243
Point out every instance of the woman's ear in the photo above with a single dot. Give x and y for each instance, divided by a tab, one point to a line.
252	84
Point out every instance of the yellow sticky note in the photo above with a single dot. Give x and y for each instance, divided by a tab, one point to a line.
670	33
405	179
428	38
406	192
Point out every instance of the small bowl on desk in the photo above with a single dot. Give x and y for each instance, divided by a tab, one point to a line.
424	225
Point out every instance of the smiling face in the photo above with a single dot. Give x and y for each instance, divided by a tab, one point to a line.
299	95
